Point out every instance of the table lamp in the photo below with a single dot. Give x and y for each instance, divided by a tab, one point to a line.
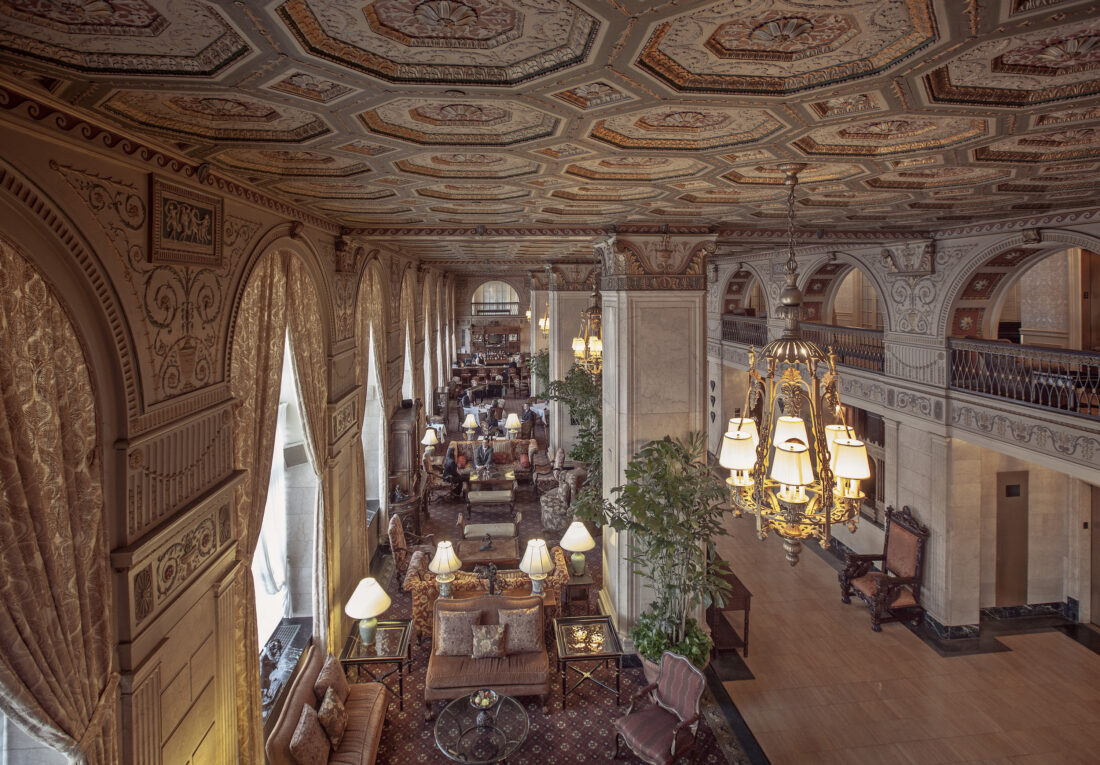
444	565
365	604
536	563
429	440
577	539
511	424
470	426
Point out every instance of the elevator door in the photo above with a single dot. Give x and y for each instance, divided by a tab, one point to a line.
1012	538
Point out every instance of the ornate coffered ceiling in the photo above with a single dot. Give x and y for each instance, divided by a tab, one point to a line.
566	117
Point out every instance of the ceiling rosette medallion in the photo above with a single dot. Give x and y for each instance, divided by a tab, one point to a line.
813	172
1052	65
229	117
444	123
935	177
606	193
874	138
1058	145
635	168
784	46
477	42
184	37
691	128
291	162
472	164
460	191
333	189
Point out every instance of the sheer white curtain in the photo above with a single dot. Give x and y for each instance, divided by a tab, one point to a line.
269	561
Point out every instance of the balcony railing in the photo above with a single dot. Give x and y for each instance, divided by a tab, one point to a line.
1068	381
859	348
495	309
749	330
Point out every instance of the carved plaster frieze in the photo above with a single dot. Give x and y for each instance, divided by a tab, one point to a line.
656	263
1047	437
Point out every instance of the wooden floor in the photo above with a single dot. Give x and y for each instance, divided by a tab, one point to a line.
828	690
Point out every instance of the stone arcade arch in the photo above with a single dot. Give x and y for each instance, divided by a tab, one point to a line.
740	289
823	280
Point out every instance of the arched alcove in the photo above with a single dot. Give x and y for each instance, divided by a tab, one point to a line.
844	294
745	295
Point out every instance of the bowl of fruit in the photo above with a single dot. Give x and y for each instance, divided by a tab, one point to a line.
483	699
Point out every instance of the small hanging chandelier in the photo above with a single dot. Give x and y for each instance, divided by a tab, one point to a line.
794	472
544	320
588	345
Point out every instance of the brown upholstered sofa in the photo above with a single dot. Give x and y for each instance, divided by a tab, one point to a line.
506	455
366	706
421	585
515	674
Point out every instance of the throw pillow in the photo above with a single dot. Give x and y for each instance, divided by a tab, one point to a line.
501	458
488	641
331	675
456	636
523	629
461	461
333	717
309	745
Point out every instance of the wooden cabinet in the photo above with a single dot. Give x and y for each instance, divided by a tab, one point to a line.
406	430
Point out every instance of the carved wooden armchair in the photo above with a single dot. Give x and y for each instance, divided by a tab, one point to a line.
399	545
664	729
434	485
893	594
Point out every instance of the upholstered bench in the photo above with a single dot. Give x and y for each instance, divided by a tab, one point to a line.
365	703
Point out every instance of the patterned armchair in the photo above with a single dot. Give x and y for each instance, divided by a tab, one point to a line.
556	509
399	545
892	594
421	585
663	730
434	485
546	479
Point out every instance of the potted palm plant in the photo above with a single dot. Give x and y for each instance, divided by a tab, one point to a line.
672	506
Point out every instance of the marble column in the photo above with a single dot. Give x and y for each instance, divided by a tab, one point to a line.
540	297
654	375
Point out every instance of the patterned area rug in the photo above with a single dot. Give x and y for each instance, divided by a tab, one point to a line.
581	733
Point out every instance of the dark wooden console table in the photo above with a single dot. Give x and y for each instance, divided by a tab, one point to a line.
721	625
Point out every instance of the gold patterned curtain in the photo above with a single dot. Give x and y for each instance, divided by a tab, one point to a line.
307	350
369	315
57	678
255	380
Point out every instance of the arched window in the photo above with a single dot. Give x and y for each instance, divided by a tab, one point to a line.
495	299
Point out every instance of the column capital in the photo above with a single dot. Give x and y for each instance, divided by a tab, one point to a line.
655	261
573	277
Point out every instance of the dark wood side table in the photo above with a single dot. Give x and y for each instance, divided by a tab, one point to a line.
718	618
583	639
578	590
391	646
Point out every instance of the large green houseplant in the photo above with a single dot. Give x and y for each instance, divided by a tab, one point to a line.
672	506
582	393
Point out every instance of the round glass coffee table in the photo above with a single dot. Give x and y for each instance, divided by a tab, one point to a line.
466	734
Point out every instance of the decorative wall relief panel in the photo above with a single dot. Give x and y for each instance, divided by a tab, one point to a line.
1079	445
658	263
184	557
168	470
186	226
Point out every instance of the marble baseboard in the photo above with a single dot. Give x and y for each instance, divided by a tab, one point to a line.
1073	610
951	631
1068	609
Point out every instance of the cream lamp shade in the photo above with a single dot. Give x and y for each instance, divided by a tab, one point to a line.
738	451
443	565
791	464
430	437
744	425
367	602
849	459
470	423
577	539
833	432
789	428
595	345
578	345
512	421
536	563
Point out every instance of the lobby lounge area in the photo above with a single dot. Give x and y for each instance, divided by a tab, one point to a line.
778	285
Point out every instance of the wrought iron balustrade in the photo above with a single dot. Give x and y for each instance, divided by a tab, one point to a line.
1068	381
749	330
495	309
859	348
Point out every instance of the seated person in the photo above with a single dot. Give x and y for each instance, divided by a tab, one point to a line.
490	425
483	459
466	400
450	471
527	414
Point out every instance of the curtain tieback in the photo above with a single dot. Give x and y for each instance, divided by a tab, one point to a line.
95	723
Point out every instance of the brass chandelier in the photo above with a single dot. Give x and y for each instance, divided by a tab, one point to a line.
795	473
588	345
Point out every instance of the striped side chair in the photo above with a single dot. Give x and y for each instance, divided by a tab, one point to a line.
661	731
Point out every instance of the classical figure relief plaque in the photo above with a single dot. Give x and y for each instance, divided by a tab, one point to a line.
186	226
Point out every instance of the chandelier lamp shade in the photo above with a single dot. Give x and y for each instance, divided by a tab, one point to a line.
798	466
588	345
